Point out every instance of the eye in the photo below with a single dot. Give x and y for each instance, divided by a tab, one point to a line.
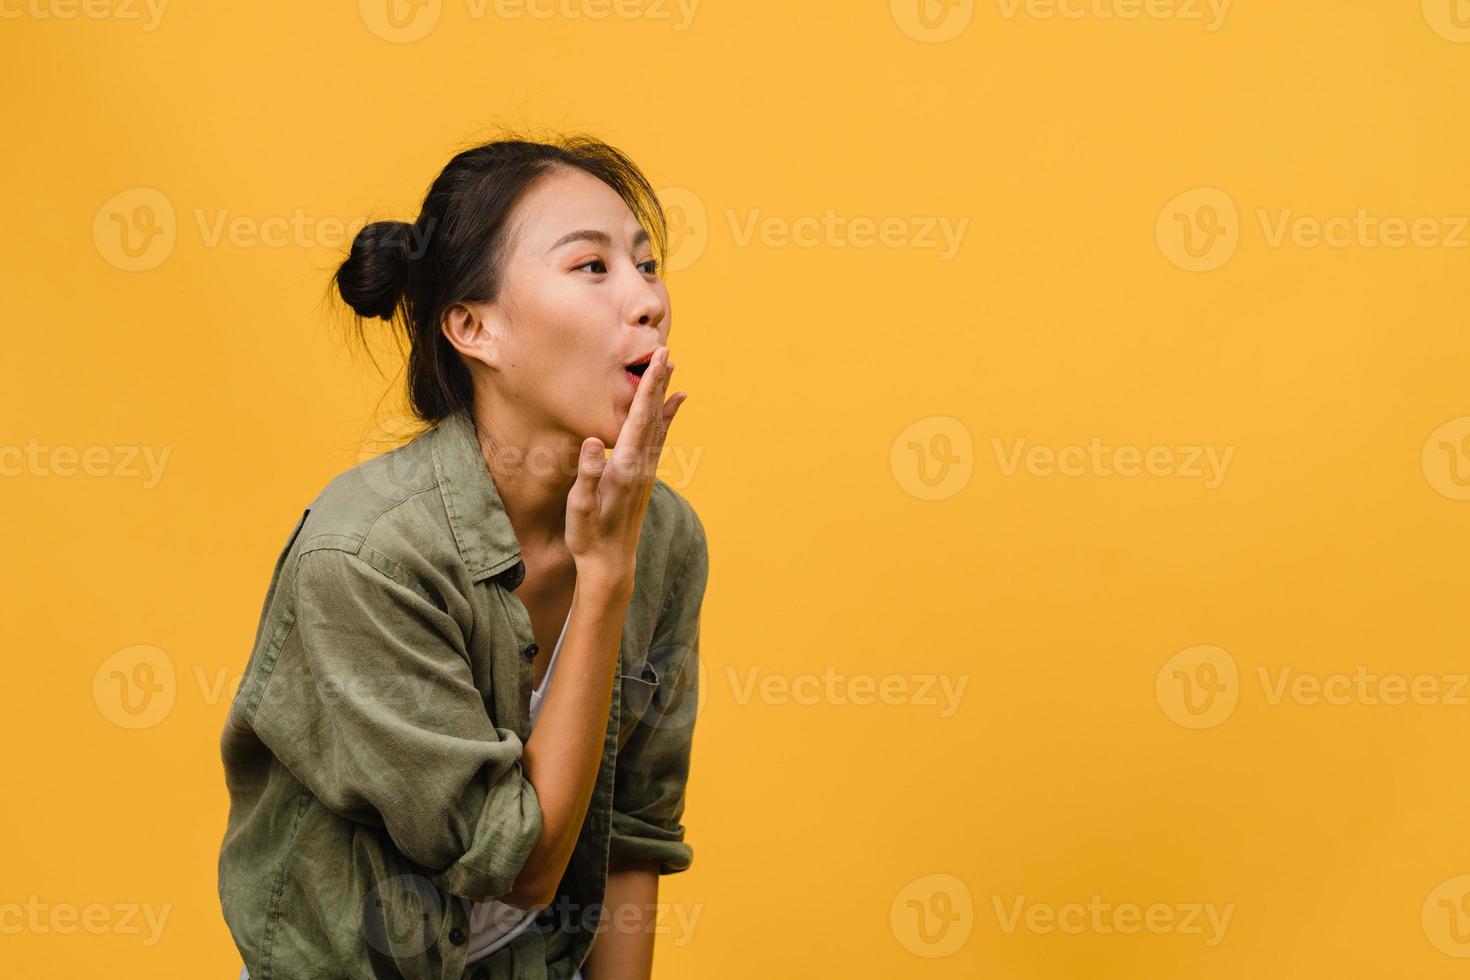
652	265
596	262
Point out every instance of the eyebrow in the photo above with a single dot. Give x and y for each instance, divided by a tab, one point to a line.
595	235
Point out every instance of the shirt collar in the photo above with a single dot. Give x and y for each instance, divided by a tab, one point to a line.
482	531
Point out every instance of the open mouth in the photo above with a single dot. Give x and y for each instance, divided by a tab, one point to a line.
635	370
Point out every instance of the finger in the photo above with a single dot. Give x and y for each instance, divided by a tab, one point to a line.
671	408
638	412
590	466
632	440
654	450
666	419
654	434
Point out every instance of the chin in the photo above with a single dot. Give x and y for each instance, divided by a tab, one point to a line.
607	431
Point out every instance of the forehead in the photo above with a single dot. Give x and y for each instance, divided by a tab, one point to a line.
567	199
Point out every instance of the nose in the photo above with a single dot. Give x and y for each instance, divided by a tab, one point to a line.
646	306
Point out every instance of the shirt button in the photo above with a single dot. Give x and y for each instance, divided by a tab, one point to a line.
531	651
456	935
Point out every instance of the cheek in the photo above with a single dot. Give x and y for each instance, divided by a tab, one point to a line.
551	332
570	339
547	304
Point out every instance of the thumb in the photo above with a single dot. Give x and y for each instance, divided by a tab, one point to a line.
590	465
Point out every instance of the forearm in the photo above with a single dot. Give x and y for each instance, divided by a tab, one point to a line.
564	751
623	948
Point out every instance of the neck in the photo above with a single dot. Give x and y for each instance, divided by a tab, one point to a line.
533	473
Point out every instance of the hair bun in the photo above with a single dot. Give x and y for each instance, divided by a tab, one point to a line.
371	279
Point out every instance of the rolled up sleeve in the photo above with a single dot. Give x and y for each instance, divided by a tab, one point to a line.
372	706
653	766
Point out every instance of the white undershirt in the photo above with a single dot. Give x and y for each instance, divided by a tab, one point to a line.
493	924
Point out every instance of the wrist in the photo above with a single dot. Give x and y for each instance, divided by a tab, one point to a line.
605	585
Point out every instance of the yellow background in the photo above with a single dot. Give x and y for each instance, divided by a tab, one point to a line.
829	382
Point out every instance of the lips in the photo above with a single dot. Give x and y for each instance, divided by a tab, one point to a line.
634	371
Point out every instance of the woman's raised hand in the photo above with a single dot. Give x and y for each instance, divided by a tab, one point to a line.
607	502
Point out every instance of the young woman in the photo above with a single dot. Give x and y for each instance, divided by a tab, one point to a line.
411	793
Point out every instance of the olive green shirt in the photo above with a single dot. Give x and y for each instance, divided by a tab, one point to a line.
373	748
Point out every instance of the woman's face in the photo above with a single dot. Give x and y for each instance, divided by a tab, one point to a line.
581	299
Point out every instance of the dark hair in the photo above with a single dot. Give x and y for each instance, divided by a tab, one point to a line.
410	274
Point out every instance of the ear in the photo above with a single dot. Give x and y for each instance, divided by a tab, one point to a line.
475	330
